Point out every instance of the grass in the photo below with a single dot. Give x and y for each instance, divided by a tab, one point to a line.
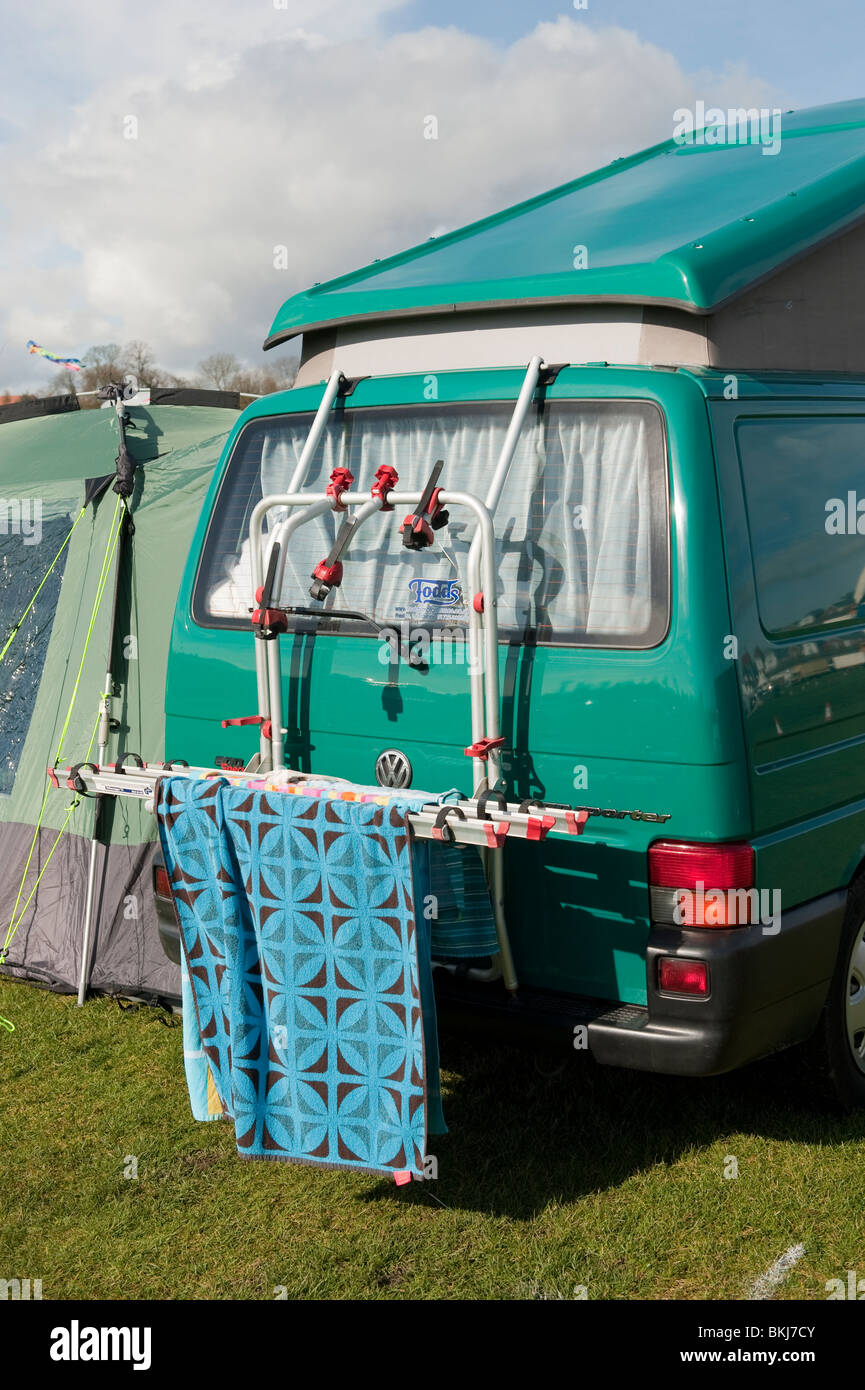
591	1177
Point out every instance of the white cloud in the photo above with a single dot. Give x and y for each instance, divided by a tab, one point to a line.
260	127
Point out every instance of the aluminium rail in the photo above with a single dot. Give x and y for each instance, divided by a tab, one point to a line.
486	822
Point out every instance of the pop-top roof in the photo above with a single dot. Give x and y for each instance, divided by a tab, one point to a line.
690	225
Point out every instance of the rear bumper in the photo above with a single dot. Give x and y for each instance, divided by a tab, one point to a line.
766	993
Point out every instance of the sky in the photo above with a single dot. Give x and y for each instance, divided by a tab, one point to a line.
153	157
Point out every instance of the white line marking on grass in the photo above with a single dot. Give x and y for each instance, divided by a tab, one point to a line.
765	1286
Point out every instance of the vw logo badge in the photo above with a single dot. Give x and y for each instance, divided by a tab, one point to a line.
393	769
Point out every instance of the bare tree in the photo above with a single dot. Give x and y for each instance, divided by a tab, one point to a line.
277	375
171	379
102	364
223	371
64	383
220	369
138	359
284	370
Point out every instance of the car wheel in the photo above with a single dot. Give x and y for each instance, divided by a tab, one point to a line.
838	1048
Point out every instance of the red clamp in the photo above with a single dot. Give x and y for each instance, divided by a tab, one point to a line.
418	529
429	515
539	827
478	603
495	832
483	747
386	479
266	725
576	821
52	778
328	574
341	480
268	620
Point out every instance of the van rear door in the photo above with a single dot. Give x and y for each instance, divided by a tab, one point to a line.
595	709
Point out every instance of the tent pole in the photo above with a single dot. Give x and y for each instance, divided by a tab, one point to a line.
123	487
104	733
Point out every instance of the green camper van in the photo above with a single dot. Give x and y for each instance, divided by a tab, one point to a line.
652	380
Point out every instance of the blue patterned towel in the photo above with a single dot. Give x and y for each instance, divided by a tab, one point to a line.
203	1096
310	970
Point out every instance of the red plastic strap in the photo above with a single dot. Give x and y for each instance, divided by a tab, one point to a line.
495	832
539	827
481	749
576	821
386	479
341	480
52	777
478	603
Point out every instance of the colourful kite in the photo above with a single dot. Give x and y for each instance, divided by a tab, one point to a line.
73	363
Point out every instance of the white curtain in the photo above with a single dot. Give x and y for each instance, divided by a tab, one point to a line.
577	525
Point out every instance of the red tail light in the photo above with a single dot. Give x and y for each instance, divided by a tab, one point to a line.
702	885
679	976
161	883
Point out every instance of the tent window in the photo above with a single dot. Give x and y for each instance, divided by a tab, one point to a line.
582	527
22	566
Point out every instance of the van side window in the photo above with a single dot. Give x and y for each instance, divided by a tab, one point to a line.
800	475
582	527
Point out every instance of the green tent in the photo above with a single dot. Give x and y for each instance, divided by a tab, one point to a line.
56	663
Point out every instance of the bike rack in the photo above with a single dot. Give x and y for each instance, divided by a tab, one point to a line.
270	620
486	819
482	627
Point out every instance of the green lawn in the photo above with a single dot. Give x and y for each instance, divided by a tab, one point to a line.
592	1177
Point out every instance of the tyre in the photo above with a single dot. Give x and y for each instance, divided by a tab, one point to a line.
837	1050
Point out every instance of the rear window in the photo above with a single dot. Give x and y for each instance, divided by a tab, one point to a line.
801	475
582	528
